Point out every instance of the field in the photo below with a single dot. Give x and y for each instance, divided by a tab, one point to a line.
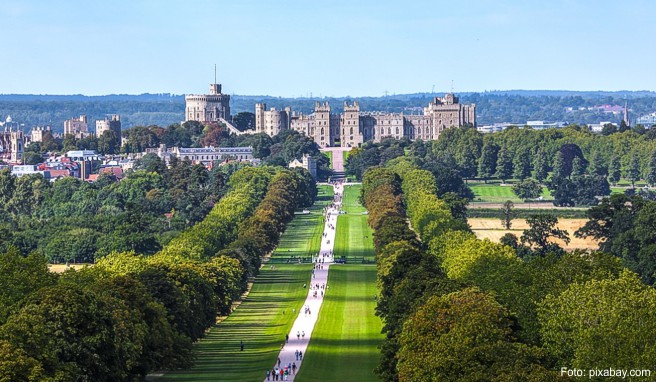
354	237
345	154
60	268
304	232
496	193
493	230
344	342
259	321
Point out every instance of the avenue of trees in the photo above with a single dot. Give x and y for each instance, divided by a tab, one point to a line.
132	314
457	308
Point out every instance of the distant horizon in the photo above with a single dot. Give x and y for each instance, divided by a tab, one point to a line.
332	96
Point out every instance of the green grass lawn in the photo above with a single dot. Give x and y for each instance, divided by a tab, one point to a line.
353	237
329	154
344	343
303	236
259	321
495	193
345	154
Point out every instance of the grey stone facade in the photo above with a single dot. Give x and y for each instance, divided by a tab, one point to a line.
354	127
212	107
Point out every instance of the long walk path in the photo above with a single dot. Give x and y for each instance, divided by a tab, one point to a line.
299	336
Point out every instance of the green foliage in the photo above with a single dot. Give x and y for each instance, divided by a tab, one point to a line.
504	164
466	336
20	276
633	170
487	163
601	323
507	214
614	170
541	165
527	189
542	228
522	164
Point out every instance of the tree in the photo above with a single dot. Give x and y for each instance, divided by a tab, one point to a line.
151	163
569	151
109	143
651	170
73	332
20	276
504	164
597	165
614	170
244	121
527	189
578	167
542	228
609	129
487	163
466	336
507	214
623	127
541	166
32	158
601	322
522	164
559	167
633	170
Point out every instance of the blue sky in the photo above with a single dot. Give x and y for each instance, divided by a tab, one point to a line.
325	47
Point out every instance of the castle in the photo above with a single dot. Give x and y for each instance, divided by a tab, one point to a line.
354	127
351	128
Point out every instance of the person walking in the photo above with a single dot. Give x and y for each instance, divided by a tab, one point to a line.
287	338
298	335
268	374
278	361
294	368
241	345
296	353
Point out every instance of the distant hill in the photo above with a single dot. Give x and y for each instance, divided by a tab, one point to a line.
515	106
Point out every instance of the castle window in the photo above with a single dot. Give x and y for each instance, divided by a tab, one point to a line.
397	130
351	131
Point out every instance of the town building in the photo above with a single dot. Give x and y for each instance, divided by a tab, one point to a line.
110	123
77	127
353	127
204	155
36	135
647	121
306	162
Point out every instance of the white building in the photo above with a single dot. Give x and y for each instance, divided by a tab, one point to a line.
204	155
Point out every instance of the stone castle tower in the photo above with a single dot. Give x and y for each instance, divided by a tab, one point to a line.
208	107
350	126
17	146
322	132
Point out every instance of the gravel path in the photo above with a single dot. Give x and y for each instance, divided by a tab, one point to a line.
299	336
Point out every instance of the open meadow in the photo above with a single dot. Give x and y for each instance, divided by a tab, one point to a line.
354	237
493	230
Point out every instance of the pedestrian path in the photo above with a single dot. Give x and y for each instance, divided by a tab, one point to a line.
293	351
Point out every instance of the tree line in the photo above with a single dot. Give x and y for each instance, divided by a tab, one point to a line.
576	165
132	314
457	308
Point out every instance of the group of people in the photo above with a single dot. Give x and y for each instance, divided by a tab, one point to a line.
280	373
